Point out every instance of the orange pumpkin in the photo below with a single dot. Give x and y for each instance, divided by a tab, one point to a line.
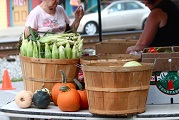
83	95
56	87
68	100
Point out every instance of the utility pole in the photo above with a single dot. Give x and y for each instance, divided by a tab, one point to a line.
99	19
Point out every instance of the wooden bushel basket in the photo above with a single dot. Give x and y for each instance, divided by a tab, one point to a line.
116	90
36	71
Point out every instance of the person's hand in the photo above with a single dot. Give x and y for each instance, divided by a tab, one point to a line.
136	48
79	13
130	49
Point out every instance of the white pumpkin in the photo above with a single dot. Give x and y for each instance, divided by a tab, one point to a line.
23	99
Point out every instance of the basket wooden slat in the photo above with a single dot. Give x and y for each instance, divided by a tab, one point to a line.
36	71
116	90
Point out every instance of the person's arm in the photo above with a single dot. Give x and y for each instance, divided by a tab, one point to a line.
31	21
152	24
78	16
26	31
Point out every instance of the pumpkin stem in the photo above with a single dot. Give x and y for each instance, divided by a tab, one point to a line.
64	80
80	86
64	88
43	85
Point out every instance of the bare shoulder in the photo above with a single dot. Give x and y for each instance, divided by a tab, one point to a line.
157	12
158	16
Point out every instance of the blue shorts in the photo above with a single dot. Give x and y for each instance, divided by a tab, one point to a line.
74	8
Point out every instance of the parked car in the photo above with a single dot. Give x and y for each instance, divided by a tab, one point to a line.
115	16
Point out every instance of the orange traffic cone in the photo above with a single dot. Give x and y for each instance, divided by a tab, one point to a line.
6	83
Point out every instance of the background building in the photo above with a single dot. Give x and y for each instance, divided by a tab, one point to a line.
14	12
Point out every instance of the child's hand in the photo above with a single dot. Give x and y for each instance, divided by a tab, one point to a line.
79	13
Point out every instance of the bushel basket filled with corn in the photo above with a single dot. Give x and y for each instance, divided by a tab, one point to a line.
55	46
42	57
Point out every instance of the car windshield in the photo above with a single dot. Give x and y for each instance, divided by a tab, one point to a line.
94	8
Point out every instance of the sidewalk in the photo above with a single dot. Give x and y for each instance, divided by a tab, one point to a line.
11	33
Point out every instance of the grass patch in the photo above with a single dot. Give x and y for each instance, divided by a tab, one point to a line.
14	80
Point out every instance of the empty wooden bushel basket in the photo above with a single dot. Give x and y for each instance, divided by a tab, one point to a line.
116	90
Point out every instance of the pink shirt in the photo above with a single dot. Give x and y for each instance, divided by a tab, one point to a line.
41	21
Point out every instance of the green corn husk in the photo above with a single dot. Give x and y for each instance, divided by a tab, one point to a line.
80	45
61	52
35	50
71	42
74	51
61	39
50	46
30	49
39	49
48	39
75	38
79	50
53	38
61	43
48	54
23	48
55	52
68	51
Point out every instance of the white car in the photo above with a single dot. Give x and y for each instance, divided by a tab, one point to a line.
117	16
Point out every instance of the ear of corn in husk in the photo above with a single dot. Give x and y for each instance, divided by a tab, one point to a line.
48	54
35	50
61	52
74	51
39	49
30	48
23	47
55	51
68	51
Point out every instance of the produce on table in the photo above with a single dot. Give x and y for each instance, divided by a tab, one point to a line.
55	89
23	99
68	100
157	49
83	95
132	63
42	98
152	50
52	46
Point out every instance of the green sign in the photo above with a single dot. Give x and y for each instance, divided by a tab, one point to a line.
167	82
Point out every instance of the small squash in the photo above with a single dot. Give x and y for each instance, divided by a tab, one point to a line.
56	87
68	100
23	99
83	95
42	98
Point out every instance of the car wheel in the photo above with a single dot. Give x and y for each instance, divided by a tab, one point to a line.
143	25
90	28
